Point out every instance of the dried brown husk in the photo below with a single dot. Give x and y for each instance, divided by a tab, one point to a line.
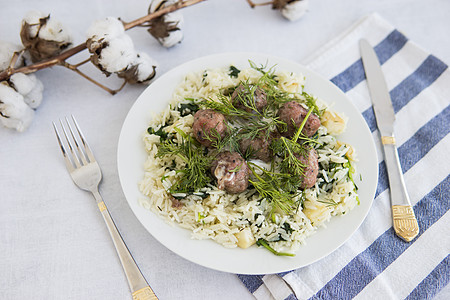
39	48
159	28
96	53
280	4
131	75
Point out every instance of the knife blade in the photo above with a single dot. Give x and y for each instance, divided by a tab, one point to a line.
404	221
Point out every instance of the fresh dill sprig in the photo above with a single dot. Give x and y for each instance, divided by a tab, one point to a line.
287	149
225	106
194	175
329	202
311	102
270	73
268	82
351	172
269	185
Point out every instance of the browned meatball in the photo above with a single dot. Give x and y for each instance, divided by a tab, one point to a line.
258	147
231	172
293	114
207	125
241	93
310	160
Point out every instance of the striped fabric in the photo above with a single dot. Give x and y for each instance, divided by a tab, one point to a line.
375	263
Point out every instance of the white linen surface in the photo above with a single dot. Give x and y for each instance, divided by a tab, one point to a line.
53	242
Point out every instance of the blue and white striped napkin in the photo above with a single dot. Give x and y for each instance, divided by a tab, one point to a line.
375	263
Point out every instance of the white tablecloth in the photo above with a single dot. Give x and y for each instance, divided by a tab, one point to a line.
53	243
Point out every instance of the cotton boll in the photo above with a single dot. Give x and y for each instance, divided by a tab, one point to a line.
175	17
29	86
22	83
118	55
174	38
142	71
295	10
34	98
14	112
112	50
103	31
6	53
53	30
167	28
146	68
50	29
33	18
175	35
43	37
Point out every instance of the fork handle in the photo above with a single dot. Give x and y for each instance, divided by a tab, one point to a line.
139	287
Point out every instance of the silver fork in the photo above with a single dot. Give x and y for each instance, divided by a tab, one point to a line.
86	174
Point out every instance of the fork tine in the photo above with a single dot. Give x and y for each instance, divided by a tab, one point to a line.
69	164
74	155
80	152
84	141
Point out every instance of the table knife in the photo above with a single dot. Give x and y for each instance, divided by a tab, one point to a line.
404	221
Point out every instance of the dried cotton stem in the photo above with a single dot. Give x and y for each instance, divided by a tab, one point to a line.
60	59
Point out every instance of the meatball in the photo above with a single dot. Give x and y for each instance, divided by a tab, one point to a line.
241	93
208	125
258	148
310	160
231	172
293	114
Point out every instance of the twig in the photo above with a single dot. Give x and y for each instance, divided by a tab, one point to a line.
253	4
60	59
159	13
76	70
43	64
15	57
82	63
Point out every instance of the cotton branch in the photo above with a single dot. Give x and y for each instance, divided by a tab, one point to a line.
60	59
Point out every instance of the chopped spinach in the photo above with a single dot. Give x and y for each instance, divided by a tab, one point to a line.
287	227
234	72
158	132
187	109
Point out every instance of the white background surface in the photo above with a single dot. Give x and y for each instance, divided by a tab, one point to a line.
53	243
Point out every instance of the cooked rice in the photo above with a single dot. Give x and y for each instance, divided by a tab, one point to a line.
220	215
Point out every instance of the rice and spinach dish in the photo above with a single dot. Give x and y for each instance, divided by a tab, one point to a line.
248	157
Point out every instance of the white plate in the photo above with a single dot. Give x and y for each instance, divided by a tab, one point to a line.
254	260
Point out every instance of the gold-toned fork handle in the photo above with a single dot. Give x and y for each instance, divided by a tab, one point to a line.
139	287
144	294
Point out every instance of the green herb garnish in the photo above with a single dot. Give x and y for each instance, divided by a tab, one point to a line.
187	109
234	72
271	185
162	134
265	244
194	175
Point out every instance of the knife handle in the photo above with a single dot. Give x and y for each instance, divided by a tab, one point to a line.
404	220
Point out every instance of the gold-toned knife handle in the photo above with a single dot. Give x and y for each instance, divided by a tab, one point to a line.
405	223
144	294
404	220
